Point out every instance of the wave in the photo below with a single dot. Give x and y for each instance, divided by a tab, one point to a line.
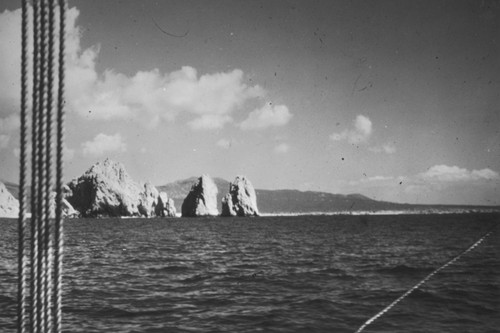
169	269
424	295
116	312
258	277
196	278
246	266
316	303
404	270
333	270
6	300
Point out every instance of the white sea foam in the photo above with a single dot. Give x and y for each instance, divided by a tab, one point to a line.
388	212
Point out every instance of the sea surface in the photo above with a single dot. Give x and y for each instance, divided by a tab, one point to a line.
271	274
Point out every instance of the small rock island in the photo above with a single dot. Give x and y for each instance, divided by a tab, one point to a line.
241	199
165	206
106	189
201	199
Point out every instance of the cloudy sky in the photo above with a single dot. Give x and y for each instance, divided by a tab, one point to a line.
397	100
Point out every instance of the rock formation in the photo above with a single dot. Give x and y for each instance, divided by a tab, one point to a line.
9	206
148	199
67	209
105	190
202	199
241	199
165	206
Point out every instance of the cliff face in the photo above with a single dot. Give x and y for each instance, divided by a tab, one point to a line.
105	190
165	206
241	199
148	199
66	208
9	206
202	199
179	190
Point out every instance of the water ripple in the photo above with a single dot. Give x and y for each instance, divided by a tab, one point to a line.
272	274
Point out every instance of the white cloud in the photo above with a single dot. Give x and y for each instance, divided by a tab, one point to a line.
453	184
282	148
151	96
267	116
439	184
484	174
438	175
388	148
360	133
444	173
146	96
102	144
224	143
377	178
209	122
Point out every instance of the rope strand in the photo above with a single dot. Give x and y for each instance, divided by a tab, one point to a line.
34	173
48	166
421	282
41	311
22	316
58	227
42	185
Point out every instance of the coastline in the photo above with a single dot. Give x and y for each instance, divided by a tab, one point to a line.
339	213
388	212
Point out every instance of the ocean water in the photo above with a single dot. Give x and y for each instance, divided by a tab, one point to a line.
271	274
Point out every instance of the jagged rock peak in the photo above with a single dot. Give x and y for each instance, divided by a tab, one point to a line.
105	190
148	200
9	206
109	169
201	199
241	199
165	206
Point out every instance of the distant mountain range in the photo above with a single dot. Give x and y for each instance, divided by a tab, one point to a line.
298	202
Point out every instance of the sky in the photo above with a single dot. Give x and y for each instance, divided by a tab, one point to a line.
396	100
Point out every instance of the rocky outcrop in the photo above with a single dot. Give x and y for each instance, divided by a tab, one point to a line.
202	199
148	200
105	190
178	190
67	208
165	206
241	199
9	206
227	206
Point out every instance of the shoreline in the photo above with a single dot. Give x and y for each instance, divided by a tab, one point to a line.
292	214
387	212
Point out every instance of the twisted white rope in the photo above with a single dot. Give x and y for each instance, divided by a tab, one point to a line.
421	282
23	290
41	311
58	227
